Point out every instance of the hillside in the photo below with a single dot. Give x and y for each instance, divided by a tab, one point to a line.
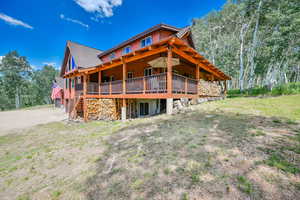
232	149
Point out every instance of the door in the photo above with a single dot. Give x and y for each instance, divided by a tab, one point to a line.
144	109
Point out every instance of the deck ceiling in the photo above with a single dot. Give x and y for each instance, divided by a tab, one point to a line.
178	47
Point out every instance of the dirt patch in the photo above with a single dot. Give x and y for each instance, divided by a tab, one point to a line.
20	119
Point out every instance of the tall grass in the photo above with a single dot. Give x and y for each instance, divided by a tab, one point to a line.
284	89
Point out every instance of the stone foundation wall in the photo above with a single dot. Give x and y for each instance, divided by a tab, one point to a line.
210	88
184	103
103	109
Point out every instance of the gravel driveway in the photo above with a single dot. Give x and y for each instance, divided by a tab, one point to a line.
18	119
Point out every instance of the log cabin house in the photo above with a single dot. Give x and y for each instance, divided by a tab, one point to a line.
141	76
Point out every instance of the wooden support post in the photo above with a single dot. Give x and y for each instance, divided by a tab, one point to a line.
169	71
99	81
123	110
85	114
124	75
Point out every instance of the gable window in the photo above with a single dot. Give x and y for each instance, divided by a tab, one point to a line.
73	63
148	72
127	50
112	55
146	41
130	75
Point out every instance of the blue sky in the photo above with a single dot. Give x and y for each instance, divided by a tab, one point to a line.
39	29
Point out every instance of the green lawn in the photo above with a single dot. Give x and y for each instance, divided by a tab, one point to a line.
232	149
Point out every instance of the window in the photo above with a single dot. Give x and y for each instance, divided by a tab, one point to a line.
148	72
144	109
127	50
147	41
73	63
112	55
130	75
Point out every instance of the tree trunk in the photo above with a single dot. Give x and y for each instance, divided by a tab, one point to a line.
253	49
241	77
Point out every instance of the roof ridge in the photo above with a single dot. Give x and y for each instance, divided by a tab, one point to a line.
69	41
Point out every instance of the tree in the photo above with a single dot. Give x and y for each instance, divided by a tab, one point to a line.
15	73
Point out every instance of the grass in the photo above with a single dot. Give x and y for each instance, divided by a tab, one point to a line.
218	150
245	185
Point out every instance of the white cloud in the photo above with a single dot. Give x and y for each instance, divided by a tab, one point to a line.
101	8
13	21
1	57
73	20
50	63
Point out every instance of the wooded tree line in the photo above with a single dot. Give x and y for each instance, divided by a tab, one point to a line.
256	42
21	85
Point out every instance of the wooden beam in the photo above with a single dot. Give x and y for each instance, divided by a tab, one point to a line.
195	61
169	70
99	82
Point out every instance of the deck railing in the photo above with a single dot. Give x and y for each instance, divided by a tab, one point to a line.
135	85
156	83
93	88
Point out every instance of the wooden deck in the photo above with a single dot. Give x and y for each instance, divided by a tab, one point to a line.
154	86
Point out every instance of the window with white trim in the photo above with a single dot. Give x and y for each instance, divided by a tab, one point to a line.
146	41
127	50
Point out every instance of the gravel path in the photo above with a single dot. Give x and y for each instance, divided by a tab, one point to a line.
18	119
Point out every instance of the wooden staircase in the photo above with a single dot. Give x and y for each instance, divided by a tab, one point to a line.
77	109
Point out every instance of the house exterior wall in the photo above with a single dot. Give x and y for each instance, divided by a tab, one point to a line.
154	106
135	45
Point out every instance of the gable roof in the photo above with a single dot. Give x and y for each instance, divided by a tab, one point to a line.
140	35
84	56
